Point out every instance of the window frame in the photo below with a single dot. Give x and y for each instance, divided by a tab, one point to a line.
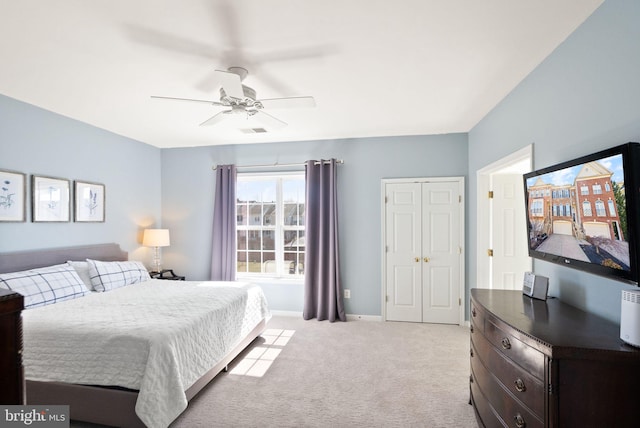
280	228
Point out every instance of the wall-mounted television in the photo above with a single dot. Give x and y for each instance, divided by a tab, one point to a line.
584	213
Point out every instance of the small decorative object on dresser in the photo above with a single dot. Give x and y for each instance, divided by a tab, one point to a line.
537	363
166	274
11	370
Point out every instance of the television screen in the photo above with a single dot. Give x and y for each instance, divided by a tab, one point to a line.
582	213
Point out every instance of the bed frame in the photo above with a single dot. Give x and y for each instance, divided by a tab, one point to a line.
96	404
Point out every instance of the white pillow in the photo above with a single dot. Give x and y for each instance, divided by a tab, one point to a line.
82	268
44	286
107	276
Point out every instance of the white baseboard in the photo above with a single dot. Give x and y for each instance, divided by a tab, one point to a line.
350	317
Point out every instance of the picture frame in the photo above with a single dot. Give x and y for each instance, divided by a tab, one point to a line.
89	202
50	199
13	196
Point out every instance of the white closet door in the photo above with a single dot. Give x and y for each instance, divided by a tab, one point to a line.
423	254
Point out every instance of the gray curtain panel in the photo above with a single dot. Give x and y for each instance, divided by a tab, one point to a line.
223	254
322	289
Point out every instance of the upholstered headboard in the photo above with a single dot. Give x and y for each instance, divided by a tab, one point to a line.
31	259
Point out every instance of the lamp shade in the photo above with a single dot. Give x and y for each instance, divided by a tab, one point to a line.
156	238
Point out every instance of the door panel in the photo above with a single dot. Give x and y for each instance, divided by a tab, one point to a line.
441	247
510	258
403	229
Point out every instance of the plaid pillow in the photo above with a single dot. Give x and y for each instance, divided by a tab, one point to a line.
44	286
107	276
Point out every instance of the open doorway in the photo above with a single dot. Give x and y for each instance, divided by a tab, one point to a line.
502	255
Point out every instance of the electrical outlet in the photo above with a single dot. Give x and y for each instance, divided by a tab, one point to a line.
347	293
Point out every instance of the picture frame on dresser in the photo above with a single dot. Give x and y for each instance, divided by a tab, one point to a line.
89	202
50	199
13	195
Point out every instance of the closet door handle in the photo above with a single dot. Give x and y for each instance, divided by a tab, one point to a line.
426	259
417	259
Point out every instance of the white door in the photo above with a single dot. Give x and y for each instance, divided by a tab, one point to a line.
403	226
491	270
441	252
510	254
423	251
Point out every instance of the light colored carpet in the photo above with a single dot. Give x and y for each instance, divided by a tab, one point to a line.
353	374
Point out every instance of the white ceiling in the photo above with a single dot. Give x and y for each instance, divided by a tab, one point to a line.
375	68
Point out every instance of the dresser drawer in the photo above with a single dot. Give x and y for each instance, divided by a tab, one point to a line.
527	357
486	415
509	410
523	386
477	318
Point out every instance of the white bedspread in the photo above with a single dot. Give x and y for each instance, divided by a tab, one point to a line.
158	337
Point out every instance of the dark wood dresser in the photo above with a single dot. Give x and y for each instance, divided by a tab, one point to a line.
12	389
541	363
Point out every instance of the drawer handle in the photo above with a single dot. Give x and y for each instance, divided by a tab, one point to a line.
470	378
520	422
520	386
473	312
471	328
505	343
471	353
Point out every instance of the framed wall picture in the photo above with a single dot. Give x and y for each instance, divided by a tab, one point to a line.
51	201
89	201
13	195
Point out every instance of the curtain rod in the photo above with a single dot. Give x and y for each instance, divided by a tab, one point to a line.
281	165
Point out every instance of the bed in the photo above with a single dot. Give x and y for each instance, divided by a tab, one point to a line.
130	355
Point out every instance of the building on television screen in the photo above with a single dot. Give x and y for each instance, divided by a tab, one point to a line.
584	202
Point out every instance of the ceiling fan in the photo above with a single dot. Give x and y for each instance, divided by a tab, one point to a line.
241	99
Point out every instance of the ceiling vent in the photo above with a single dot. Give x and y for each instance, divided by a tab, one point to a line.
253	130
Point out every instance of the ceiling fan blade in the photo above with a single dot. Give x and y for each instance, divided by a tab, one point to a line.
231	83
215	103
291	102
269	120
216	118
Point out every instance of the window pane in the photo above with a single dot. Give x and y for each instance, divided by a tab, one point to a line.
241	214
254	240
242	239
293	190
269	216
255	262
290	214
255	214
269	262
268	242
242	264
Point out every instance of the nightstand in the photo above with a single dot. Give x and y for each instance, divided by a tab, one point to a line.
166	274
11	369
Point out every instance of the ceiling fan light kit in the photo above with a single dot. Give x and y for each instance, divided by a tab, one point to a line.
241	99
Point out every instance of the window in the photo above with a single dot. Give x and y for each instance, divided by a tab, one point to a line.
270	224
586	209
607	186
597	189
600	211
537	207
584	190
612	208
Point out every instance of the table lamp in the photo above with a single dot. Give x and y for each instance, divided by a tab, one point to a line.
156	238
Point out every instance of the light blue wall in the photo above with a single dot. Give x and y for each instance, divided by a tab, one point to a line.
187	202
581	99
36	141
